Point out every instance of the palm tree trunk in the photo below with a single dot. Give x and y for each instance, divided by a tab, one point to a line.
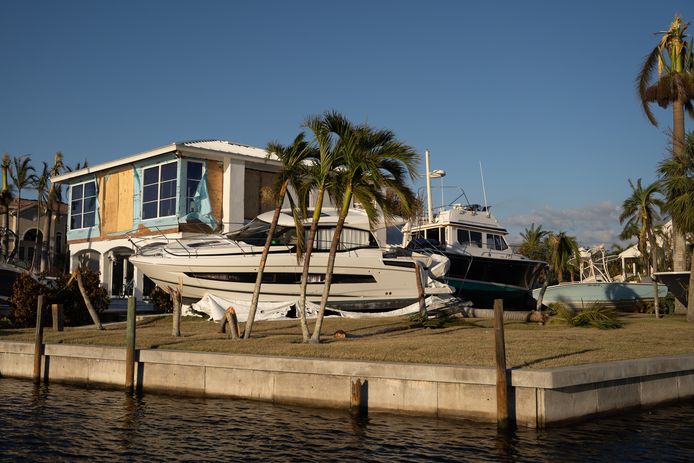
5	236
15	251
307	262
679	245
541	296
46	230
690	295
37	243
88	302
654	264
263	260
315	338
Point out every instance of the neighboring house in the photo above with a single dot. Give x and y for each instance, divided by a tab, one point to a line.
31	227
167	192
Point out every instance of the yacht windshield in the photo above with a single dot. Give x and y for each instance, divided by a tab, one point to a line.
255	234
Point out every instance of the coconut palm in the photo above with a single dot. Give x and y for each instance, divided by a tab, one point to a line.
5	200
52	204
292	158
639	211
674	86
23	177
534	244
562	248
42	187
320	178
374	162
677	177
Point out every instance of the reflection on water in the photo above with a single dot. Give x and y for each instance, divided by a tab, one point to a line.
66	423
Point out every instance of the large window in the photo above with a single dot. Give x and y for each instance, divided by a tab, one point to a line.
83	206
469	238
496	242
159	191
193	177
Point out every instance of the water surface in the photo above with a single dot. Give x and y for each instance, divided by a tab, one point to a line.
55	422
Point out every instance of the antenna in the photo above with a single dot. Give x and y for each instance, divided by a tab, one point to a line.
430	212
484	191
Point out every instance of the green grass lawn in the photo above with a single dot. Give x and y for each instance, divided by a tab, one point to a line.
459	342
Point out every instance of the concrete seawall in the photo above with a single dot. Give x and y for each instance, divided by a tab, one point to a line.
540	398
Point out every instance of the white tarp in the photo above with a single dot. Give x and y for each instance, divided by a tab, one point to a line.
215	306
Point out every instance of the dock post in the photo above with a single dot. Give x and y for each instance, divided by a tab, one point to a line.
58	317
130	347
420	293
38	340
358	404
501	378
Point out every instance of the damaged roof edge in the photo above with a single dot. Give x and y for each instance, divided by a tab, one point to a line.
220	148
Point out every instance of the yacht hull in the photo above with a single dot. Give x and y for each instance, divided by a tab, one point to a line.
483	279
362	279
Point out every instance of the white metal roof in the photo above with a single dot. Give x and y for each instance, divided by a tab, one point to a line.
222	148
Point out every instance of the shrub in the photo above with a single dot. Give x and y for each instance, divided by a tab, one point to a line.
161	300
74	308
26	290
25	293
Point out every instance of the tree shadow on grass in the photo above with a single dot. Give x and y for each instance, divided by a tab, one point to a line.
553	357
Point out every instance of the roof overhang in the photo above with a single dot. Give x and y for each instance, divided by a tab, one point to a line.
193	149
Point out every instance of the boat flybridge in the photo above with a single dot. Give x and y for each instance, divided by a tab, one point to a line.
483	265
366	276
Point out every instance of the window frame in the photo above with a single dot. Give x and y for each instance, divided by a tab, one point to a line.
175	195
82	201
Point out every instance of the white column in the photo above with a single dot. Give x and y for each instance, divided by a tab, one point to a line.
233	194
105	265
138	283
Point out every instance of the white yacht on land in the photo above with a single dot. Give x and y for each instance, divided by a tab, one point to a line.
366	276
483	265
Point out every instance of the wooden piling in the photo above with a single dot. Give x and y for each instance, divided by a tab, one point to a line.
130	346
358	400
38	340
420	292
176	299
58	317
501	378
233	322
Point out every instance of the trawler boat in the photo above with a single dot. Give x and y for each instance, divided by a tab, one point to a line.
365	277
483	266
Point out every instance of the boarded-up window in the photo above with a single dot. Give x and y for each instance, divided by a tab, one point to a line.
256	182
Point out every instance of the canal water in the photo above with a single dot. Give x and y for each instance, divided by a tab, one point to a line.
52	423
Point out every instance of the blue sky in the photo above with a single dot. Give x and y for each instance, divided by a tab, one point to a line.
541	92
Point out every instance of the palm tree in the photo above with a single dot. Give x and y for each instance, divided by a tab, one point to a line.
292	158
534	245
22	177
562	248
42	187
51	205
638	210
374	163
5	200
677	177
320	178
674	86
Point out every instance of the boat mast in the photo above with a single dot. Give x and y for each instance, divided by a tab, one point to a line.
484	192
430	211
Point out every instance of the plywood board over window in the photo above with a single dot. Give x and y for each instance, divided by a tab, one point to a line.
116	201
215	188
256	181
